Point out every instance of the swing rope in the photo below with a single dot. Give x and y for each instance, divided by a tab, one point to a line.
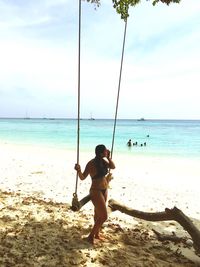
119	87
75	202
79	78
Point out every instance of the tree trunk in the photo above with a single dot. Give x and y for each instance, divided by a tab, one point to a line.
167	215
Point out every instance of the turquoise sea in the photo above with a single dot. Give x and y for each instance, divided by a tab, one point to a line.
166	137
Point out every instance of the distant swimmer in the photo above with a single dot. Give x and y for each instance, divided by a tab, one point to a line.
129	143
147	135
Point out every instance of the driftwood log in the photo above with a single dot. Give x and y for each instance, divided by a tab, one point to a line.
169	214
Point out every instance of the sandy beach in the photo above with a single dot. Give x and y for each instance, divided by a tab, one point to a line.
39	229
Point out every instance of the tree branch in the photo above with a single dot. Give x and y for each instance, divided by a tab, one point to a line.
122	6
167	215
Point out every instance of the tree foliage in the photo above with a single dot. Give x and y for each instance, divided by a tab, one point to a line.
122	6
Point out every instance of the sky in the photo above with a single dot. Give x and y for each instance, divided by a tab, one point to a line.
39	60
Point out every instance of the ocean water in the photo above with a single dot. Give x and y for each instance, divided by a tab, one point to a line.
180	138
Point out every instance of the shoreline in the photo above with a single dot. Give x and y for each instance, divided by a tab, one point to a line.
129	152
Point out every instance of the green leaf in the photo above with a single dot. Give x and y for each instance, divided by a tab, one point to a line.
122	6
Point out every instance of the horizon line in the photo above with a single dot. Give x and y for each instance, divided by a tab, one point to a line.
71	118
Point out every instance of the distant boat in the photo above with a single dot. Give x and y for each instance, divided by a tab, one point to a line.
27	117
141	119
91	118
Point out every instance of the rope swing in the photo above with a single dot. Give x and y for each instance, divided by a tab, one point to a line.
119	87
76	205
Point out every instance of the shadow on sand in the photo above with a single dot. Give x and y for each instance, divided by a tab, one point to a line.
36	233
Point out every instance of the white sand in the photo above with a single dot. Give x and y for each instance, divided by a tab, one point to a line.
143	183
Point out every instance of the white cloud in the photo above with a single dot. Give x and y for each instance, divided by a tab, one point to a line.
39	46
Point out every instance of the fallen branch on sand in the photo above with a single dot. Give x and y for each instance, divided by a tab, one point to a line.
169	214
170	237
